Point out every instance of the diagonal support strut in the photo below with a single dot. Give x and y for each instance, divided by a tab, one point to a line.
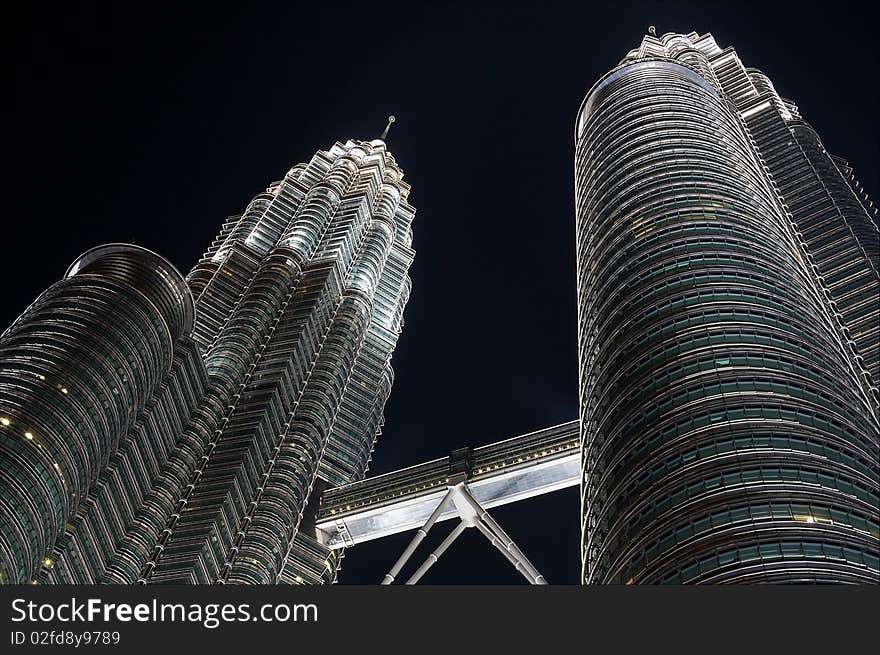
433	557
500	539
421	533
472	515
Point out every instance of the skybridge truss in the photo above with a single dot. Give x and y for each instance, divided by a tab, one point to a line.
464	485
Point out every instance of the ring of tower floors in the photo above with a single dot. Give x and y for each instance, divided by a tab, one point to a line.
165	429
727	294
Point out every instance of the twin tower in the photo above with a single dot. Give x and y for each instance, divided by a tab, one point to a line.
157	428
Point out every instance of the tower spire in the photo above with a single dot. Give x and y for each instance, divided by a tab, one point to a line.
391	119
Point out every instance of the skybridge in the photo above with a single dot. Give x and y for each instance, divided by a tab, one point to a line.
463	485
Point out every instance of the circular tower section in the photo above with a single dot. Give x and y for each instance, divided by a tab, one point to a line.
726	437
76	370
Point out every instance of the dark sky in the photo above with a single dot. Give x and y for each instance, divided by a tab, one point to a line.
135	123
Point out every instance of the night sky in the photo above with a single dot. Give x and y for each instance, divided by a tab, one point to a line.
135	123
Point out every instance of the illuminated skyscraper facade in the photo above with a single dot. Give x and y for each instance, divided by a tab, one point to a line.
166	429
728	331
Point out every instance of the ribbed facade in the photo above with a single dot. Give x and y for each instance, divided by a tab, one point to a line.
164	429
727	299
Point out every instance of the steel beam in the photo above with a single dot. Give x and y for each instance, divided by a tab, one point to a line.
433	557
421	533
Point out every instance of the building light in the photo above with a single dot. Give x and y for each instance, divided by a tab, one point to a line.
28	435
48	562
5	422
63	389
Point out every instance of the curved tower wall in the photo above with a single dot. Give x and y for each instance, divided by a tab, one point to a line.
729	430
76	370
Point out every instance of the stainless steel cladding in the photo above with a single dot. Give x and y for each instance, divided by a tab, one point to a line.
162	429
728	413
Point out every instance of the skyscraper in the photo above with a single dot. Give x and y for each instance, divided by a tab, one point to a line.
727	331
165	429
